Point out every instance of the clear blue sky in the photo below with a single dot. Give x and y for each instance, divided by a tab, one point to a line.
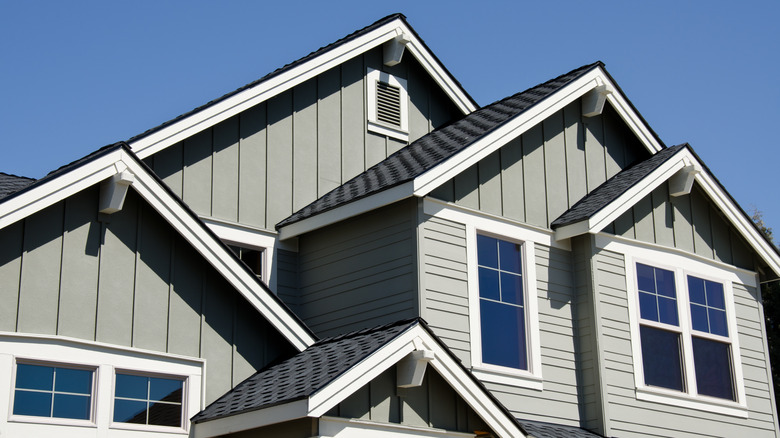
77	75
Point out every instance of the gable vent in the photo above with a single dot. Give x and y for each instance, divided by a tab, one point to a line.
388	103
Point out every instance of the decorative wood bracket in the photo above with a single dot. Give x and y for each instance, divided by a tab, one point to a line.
113	192
681	182
394	49
411	369
593	101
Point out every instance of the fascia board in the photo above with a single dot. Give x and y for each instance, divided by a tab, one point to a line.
59	188
265	90
251	419
472	154
346	211
218	256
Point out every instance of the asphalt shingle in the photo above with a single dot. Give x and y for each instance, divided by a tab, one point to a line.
538	429
436	147
11	184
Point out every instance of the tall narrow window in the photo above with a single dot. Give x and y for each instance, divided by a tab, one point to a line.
148	400
53	391
502	303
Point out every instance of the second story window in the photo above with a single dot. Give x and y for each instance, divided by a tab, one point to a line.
387	104
53	391
253	258
148	400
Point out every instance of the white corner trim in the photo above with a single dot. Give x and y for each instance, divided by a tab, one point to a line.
263	91
346	211
250	420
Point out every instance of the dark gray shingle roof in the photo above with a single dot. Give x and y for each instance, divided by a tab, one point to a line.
12	183
606	193
436	147
539	429
303	374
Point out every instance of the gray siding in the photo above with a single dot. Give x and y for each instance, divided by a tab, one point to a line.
538	176
433	404
630	417
360	272
262	165
689	222
300	428
128	279
445	307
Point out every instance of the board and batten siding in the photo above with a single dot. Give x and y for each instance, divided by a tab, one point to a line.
271	160
360	272
630	417
128	279
446	309
688	222
536	177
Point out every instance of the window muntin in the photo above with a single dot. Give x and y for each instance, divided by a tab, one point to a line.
501	303
149	400
53	391
253	258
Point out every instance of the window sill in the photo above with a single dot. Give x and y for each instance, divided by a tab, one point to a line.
381	129
149	428
683	400
507	376
51	420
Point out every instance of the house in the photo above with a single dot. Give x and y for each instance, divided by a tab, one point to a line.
351	246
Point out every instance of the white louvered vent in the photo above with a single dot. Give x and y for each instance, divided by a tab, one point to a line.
388	104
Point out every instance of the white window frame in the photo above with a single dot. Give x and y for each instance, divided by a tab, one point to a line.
477	222
373	124
683	264
105	359
150	427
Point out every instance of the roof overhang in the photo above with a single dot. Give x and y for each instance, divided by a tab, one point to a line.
679	170
120	161
414	339
277	84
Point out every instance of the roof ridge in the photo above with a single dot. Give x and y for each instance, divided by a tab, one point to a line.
368	330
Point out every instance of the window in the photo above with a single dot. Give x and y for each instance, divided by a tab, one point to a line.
53	391
253	258
150	400
387	102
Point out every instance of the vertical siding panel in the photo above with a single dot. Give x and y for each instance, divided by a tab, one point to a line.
353	120
384	403
575	153
376	148
594	151
683	222
217	336
248	342
394	145
615	143
376	145
490	183
721	242
11	246
443	402
117	275
555	165
445	192
329	131
663	219
150	307
252	167
197	172
624	225
643	220
702	230
185	301
419	102
79	283
414	404
533	171
40	283
467	188
357	405
168	165
741	252
280	156
512	186
305	144
225	187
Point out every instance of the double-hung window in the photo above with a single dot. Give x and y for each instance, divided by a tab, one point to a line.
53	391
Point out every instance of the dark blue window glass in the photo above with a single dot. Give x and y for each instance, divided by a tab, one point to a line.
502	303
657	294
148	400
714	376
699	320
47	391
708	306
661	357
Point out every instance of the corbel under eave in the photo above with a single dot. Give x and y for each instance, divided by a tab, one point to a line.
411	369
593	100
393	50
681	182
113	192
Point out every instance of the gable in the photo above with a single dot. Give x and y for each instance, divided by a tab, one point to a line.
537	176
261	165
129	279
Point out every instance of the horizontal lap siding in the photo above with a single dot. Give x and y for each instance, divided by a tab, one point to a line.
128	279
359	273
262	165
631	417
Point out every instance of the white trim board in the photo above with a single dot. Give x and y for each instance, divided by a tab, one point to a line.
171	209
318	404
213	114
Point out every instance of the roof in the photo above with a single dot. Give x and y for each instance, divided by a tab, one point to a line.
435	147
12	183
538	429
610	190
303	374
